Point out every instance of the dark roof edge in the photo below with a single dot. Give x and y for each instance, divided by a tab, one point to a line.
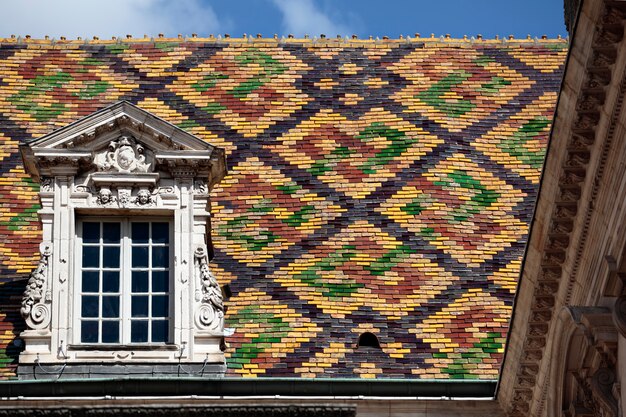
147	387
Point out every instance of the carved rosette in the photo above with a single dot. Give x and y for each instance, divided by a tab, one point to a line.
35	306
210	314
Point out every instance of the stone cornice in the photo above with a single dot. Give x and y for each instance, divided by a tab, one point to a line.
571	164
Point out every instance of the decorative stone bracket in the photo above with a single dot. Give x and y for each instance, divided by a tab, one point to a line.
210	314
36	299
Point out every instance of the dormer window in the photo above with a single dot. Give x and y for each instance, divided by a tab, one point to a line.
124	277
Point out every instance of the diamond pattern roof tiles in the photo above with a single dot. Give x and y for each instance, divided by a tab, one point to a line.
379	187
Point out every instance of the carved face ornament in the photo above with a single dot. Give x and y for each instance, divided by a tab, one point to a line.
126	158
143	197
104	196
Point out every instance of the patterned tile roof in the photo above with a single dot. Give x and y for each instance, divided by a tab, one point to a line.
382	187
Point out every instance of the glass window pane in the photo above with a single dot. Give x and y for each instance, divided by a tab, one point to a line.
91	256
160	257
160	307
160	232
111	306
160	281
90	306
89	332
91	281
140	232
139	306
111	232
140	257
138	331
159	331
111	257
110	332
110	281
91	232
140	281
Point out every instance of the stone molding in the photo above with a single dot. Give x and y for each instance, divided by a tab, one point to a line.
566	208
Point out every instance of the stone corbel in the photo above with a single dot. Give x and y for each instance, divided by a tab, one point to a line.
210	314
35	304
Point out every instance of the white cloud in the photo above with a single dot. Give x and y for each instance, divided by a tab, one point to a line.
302	17
86	18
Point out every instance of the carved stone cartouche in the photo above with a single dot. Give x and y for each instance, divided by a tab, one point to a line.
123	155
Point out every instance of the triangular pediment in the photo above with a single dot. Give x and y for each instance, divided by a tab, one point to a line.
123	138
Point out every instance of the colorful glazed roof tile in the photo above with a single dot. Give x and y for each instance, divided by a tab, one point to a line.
382	187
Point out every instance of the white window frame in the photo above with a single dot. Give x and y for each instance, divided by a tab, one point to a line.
125	290
122	161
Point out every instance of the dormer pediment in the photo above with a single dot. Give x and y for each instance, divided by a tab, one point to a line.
122	140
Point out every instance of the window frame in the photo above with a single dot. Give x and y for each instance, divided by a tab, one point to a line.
125	277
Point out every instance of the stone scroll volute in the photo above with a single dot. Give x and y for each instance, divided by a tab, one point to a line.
209	314
35	308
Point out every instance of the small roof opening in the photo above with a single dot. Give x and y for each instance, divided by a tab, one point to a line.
368	339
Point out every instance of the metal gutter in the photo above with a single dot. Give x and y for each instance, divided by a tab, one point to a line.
238	387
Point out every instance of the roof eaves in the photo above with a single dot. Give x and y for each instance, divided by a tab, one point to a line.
301	387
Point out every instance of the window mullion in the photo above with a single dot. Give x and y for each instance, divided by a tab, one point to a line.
126	280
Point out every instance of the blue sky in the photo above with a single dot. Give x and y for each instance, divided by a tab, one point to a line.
86	18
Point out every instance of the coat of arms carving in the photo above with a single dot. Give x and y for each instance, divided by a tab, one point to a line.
123	155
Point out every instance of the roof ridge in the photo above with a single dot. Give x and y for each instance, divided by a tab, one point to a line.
322	39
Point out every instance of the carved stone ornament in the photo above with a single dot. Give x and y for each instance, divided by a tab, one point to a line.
47	185
105	197
210	313
587	103
612	16
124	197
602	388
562	225
35	309
123	155
201	187
595	393
601	60
144	198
